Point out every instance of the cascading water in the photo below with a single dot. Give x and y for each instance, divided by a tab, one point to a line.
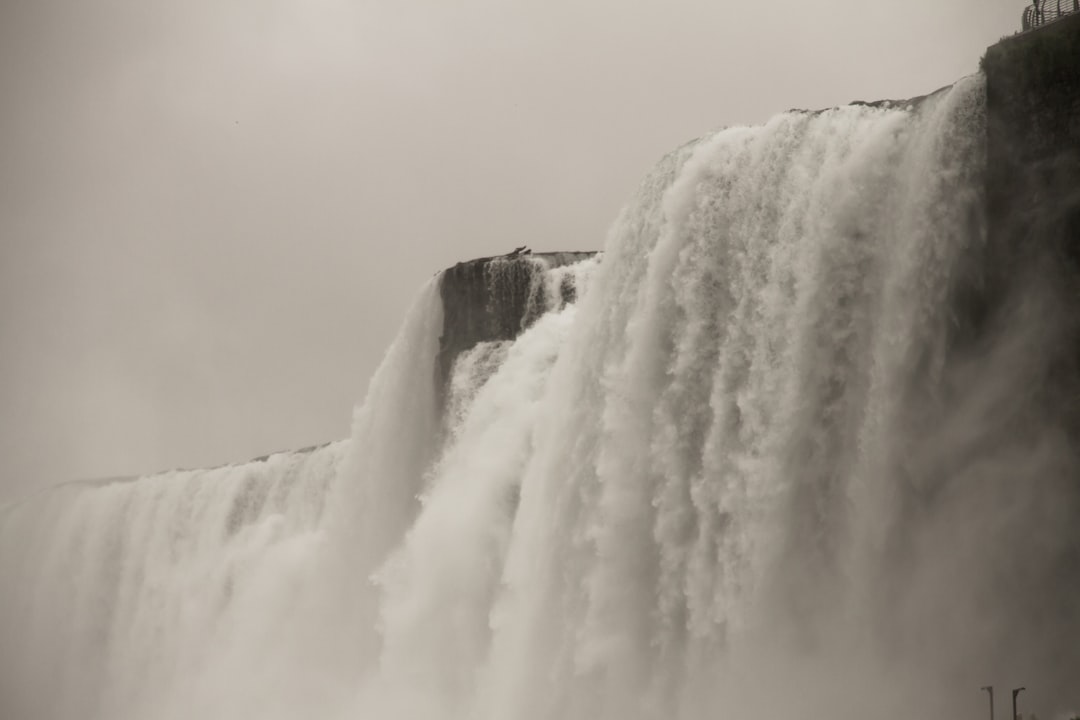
774	460
234	592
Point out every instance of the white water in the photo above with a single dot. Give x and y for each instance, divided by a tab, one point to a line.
754	472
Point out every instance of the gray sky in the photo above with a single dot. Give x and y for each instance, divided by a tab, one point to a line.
213	213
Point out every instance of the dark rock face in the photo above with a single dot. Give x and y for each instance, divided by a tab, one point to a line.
1033	178
1033	139
494	298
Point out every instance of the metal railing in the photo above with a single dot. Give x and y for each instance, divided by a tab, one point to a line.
1041	12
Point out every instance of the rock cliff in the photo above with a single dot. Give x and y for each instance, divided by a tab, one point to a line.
494	298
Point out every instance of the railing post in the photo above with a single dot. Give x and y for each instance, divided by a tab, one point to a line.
1016	691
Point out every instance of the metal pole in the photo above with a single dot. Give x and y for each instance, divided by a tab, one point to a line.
1016	691
990	690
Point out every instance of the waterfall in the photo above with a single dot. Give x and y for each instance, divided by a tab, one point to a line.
792	446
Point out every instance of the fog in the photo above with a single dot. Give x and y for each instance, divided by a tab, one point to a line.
214	214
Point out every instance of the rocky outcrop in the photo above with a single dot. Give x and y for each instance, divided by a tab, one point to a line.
1033	177
494	298
1033	138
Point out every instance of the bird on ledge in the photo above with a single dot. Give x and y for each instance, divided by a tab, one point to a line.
523	250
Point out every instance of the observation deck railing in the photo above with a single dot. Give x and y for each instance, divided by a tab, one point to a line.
1041	12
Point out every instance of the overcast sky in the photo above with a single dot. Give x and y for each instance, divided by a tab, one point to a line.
213	213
